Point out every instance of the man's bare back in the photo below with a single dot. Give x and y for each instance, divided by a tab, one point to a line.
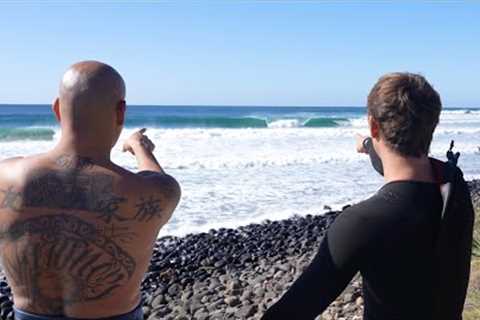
77	231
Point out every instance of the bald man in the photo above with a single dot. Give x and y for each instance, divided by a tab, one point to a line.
76	230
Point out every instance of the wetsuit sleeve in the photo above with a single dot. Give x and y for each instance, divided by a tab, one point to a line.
335	264
374	158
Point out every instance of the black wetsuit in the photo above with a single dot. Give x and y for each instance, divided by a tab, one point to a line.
401	245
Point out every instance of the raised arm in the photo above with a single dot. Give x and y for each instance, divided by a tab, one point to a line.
142	148
149	169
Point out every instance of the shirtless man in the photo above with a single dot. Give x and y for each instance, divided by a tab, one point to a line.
76	230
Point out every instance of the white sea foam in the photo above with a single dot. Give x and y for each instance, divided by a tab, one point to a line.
284	123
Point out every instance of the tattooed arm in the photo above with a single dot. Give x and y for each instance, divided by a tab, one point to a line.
142	148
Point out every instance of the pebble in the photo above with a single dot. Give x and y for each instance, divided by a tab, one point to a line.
232	301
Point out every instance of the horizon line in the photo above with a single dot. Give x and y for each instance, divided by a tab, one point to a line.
226	105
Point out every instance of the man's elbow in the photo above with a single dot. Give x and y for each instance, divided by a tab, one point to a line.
172	192
174	189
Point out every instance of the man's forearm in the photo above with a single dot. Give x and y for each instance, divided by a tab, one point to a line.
146	160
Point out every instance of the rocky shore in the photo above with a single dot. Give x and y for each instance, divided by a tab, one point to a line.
235	273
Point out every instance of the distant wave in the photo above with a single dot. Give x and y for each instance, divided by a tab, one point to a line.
232	122
197	122
13	134
325	122
285	123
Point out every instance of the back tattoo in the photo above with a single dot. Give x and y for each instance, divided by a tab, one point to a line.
75	254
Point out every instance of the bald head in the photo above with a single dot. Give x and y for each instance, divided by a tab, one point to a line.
91	83
90	95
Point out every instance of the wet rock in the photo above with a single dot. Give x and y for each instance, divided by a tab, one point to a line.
232	301
246	312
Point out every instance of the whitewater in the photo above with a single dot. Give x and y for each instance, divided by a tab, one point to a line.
244	165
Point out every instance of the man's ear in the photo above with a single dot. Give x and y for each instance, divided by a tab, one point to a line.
374	128
121	108
56	109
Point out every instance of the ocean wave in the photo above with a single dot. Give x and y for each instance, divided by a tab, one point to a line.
285	123
235	122
197	122
325	122
14	134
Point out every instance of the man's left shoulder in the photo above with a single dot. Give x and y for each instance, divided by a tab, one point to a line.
10	161
8	167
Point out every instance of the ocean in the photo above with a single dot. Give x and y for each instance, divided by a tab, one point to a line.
239	165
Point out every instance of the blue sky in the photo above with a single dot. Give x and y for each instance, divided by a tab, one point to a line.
241	52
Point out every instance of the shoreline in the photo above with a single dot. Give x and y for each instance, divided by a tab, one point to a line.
235	273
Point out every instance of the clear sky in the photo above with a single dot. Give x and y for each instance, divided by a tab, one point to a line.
241	52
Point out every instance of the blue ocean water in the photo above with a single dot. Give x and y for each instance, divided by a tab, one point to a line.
239	165
36	122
